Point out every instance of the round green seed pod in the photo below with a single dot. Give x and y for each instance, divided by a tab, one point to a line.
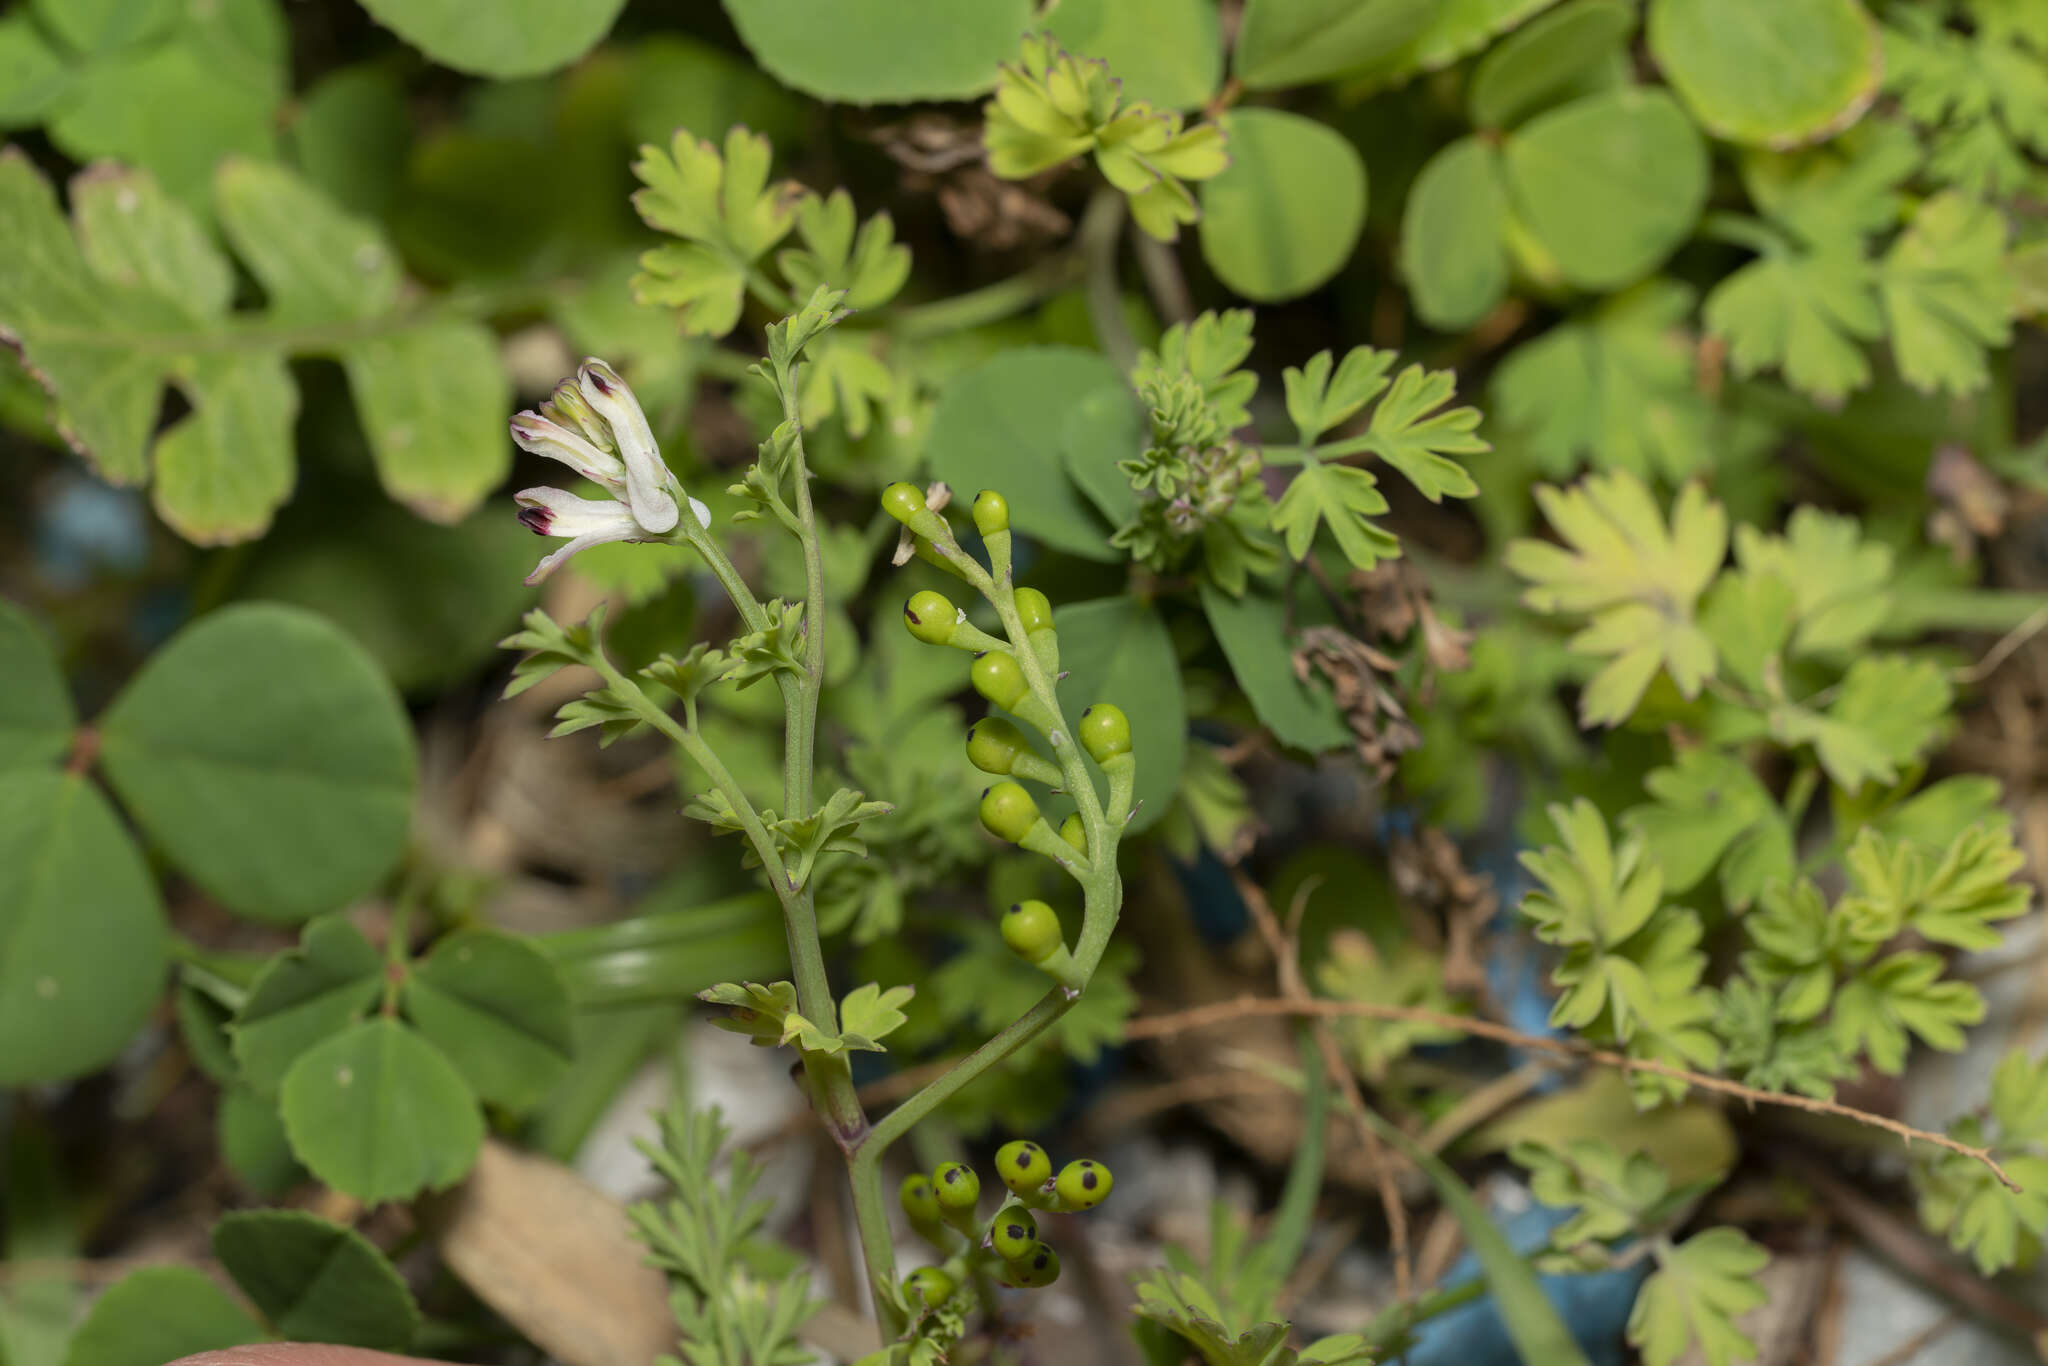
1105	732
931	617
1072	832
991	512
902	501
929	1286
955	1185
1013	1233
1036	1268
1035	608
917	1199
1083	1184
993	745
997	676
1032	930
1007	812
1022	1164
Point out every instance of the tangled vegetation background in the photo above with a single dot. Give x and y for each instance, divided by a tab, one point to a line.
1555	489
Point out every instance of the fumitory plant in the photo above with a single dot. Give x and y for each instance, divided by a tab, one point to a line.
1417	623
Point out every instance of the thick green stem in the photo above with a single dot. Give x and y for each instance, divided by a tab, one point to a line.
990	303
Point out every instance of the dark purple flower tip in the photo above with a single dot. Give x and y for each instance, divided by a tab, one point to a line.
536	519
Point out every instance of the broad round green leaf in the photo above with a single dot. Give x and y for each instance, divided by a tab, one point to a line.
882	51
33	76
303	996
253	1143
1285	215
203	1025
1167	53
82	936
1102	430
503	38
1117	650
316	1281
351	135
380	1113
102	25
36	718
1570	51
159	1314
1003	426
269	757
1767	73
1452	252
1609	184
432	400
1252	630
363	573
677	82
1295	42
497	1006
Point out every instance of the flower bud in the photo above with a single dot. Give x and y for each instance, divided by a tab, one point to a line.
931	617
568	407
993	745
1008	812
1035	609
997	676
1031	929
1105	732
991	512
902	501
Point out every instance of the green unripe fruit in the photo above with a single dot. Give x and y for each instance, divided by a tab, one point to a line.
993	745
1105	732
1007	812
1083	1184
1032	930
918	1201
902	501
1038	1267
1013	1233
955	1185
997	676
991	512
929	1285
1072	833
1035	608
931	617
1022	1164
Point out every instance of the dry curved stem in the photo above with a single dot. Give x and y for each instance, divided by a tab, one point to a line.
1286	946
1570	1050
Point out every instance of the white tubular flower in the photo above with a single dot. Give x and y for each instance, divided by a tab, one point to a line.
582	425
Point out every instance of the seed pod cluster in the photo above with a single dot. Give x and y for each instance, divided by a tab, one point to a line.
941	1207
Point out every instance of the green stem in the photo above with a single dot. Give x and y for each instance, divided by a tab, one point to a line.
991	303
1098	238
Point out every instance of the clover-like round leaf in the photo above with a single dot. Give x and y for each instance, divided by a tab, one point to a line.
1767	73
303	996
1570	51
253	1142
496	1005
1453	254
1167	53
503	38
1117	650
269	757
381	1114
83	945
1284	216
1253	631
882	51
159	1314
1295	42
1609	184
1102	430
1003	425
316	1281
36	718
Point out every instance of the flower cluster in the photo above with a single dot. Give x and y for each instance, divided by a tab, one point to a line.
594	425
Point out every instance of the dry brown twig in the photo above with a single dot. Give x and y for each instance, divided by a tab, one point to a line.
1285	944
1246	1007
